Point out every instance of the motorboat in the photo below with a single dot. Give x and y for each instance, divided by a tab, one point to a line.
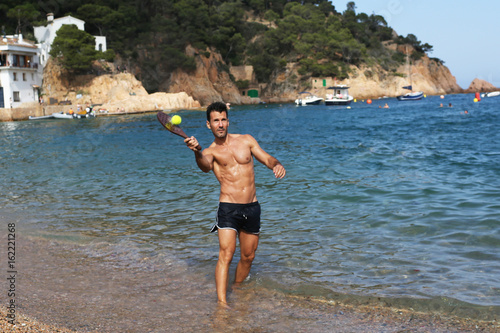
340	95
306	98
79	115
63	115
491	94
40	117
86	113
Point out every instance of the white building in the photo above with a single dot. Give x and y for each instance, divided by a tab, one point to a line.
20	73
45	35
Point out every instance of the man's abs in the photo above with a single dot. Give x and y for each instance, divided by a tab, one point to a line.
236	194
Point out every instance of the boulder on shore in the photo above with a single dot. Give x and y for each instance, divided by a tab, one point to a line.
151	102
117	91
478	85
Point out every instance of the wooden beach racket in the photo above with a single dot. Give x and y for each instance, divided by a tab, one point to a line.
166	121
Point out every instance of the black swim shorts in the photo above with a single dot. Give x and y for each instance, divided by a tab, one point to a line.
245	217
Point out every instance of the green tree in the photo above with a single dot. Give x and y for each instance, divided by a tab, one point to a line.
153	34
74	49
99	16
412	40
24	14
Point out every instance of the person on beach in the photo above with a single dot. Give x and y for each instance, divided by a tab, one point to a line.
230	157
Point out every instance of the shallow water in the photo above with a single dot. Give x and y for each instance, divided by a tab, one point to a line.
400	203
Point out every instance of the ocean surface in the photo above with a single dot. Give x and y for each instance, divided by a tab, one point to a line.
400	204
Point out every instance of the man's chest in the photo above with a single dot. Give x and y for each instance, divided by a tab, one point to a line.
233	156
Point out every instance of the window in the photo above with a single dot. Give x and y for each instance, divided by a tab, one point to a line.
15	76
16	96
24	76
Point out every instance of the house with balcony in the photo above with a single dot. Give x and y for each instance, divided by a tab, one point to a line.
45	35
20	73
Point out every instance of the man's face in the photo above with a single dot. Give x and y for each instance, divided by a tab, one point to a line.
218	123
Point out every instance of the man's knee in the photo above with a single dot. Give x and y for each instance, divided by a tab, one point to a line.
248	257
226	255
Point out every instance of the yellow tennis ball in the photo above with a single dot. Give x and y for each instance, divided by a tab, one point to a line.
176	120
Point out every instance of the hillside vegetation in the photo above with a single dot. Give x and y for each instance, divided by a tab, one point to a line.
151	36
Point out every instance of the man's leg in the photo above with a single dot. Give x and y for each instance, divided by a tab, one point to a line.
227	246
248	246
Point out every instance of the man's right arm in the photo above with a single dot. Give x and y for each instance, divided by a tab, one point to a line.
204	160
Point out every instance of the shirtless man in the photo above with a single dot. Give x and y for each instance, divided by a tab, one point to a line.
230	157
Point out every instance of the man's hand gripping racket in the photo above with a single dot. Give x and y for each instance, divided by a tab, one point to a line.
166	121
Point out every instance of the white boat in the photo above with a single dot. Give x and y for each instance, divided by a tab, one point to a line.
412	95
306	98
40	117
62	116
73	116
340	95
491	94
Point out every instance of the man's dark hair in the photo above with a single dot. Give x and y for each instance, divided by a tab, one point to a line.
218	107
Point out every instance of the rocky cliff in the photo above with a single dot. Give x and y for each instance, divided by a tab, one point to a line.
427	75
120	92
209	83
212	82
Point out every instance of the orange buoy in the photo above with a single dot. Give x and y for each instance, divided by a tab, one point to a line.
369	101
478	97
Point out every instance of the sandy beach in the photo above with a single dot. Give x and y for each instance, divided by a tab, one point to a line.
63	290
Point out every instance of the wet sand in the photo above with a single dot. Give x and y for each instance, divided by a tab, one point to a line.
61	289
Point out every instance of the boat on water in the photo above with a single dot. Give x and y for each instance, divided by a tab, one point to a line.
340	95
412	95
88	112
491	94
40	117
63	115
306	98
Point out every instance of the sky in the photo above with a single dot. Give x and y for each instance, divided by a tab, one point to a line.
464	34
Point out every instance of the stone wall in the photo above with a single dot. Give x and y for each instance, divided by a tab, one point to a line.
15	114
35	110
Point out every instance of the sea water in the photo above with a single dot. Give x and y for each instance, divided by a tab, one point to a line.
400	203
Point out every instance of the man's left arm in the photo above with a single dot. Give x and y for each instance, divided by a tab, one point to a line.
263	157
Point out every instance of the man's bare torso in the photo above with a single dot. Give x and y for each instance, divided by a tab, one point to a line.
233	167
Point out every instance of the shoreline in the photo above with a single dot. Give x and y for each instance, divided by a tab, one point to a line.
323	315
22	114
81	293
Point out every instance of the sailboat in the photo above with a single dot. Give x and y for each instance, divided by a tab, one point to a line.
412	95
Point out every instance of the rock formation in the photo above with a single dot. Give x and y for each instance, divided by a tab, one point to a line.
480	86
115	92
209	83
427	75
